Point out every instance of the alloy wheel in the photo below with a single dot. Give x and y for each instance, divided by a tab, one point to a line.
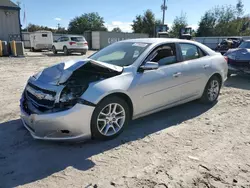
213	90
111	119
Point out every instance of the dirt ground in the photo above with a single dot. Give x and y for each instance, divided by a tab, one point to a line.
192	145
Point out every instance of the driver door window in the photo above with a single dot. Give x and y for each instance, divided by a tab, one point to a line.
164	55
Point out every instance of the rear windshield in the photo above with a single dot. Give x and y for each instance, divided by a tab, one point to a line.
77	39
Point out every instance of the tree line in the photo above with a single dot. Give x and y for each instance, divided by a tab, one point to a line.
226	20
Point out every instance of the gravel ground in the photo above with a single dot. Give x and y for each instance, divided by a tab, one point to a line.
192	145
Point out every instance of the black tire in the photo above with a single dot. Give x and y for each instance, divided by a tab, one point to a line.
96	134
65	50
54	50
32	49
205	97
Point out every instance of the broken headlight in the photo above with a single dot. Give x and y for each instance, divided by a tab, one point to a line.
70	95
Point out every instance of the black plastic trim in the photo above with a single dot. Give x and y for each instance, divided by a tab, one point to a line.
82	101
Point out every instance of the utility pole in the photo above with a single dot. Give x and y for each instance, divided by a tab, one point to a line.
163	8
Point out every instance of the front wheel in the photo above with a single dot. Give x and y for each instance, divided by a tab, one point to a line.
109	118
65	50
212	90
54	50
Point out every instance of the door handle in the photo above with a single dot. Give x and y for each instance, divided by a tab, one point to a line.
206	66
177	74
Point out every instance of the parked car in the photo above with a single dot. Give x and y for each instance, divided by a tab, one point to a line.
239	59
70	43
96	97
229	43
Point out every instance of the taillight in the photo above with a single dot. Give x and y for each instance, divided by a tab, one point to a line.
71	43
86	43
226	58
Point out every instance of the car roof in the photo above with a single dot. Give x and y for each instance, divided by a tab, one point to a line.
72	36
154	40
234	38
158	41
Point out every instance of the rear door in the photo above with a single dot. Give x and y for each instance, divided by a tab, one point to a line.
196	70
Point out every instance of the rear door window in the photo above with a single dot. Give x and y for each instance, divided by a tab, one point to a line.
191	51
64	39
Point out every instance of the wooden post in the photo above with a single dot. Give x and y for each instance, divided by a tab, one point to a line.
14	53
1	49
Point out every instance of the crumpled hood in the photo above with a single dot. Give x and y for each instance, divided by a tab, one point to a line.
60	73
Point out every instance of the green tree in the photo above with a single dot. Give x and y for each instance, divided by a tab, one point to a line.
225	21
178	23
61	30
145	23
33	28
117	29
240	8
221	21
86	22
206	25
137	25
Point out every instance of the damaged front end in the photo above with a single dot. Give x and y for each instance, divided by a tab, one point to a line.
238	60
60	87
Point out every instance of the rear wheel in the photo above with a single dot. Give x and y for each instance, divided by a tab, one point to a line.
212	90
65	50
109	119
54	50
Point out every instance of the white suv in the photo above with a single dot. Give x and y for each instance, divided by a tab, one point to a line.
69	44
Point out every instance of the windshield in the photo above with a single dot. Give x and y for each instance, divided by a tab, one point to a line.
77	39
120	53
245	45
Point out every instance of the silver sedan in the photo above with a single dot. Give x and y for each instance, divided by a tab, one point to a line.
98	96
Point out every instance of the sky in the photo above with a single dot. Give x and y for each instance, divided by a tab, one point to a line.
116	13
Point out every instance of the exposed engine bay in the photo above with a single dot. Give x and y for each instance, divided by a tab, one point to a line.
80	80
69	84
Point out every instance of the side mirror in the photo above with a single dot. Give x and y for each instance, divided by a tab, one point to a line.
149	66
55	41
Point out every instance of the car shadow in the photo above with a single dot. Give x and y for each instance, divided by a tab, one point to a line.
239	81
24	160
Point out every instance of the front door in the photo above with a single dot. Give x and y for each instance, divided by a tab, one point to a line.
158	88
